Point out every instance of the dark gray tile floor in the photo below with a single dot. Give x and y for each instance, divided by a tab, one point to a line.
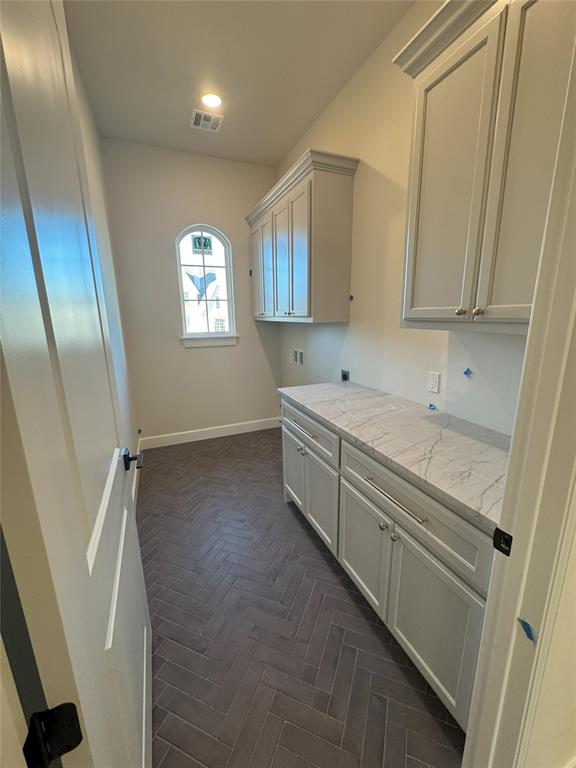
265	654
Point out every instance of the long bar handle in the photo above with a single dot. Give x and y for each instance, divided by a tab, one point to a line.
309	435
370	481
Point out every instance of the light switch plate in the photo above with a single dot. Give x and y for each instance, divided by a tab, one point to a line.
434	382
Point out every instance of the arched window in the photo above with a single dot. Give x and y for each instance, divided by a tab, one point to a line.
206	287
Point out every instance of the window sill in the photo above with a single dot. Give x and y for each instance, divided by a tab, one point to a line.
228	340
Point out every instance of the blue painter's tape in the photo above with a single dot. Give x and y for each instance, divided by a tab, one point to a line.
467	373
528	630
432	407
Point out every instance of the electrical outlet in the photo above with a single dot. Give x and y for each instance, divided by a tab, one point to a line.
344	375
294	356
433	382
300	357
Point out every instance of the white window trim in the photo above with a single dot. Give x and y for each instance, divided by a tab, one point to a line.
209	339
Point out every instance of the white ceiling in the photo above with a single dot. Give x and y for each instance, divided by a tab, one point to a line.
276	65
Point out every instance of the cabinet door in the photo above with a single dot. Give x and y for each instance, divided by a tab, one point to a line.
267	267
281	259
536	65
453	124
299	202
256	270
321	494
438	621
294	469
364	546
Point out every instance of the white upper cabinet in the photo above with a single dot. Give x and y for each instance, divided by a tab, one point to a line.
538	52
310	210
488	117
262	267
299	207
455	104
280	239
256	270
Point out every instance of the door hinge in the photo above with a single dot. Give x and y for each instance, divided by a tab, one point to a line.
502	541
51	734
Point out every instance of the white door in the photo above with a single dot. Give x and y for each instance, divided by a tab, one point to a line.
364	546
536	66
256	270
321	506
281	259
453	124
438	621
56	346
293	465
300	249
267	266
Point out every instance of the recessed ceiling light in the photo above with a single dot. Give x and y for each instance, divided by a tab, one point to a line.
211	100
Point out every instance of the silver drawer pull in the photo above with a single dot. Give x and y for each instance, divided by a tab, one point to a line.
372	484
304	431
382	526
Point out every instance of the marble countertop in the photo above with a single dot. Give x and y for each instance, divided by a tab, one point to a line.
461	464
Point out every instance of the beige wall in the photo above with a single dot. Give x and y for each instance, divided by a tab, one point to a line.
153	194
371	118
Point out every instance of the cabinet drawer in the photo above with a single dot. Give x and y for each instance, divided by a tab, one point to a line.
467	551
325	443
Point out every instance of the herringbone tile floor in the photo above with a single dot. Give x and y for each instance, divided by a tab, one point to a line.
265	654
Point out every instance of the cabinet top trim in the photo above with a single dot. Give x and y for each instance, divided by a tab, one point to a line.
449	21
311	160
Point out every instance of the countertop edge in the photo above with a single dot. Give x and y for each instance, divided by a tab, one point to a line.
470	515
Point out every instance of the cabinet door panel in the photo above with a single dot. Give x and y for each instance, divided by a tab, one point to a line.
282	260
267	268
300	249
365	549
255	266
537	57
437	620
293	466
453	121
321	506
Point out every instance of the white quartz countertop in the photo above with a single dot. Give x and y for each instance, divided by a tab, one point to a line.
461	464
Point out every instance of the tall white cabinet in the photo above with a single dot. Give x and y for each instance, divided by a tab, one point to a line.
487	122
301	242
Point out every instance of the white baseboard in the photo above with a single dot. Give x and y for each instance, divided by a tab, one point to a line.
175	438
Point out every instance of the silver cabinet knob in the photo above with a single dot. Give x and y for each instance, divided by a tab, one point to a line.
394	536
477	311
382	526
460	311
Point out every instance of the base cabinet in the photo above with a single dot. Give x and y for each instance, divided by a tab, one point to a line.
313	486
407	574
293	465
437	619
364	547
321	499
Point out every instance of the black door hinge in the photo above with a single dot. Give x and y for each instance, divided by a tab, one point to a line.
502	541
51	734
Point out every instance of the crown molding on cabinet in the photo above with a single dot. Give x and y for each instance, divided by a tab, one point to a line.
312	159
451	19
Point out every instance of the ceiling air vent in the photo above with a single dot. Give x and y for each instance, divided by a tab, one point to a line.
206	121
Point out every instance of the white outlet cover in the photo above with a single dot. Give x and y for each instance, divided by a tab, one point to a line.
434	382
